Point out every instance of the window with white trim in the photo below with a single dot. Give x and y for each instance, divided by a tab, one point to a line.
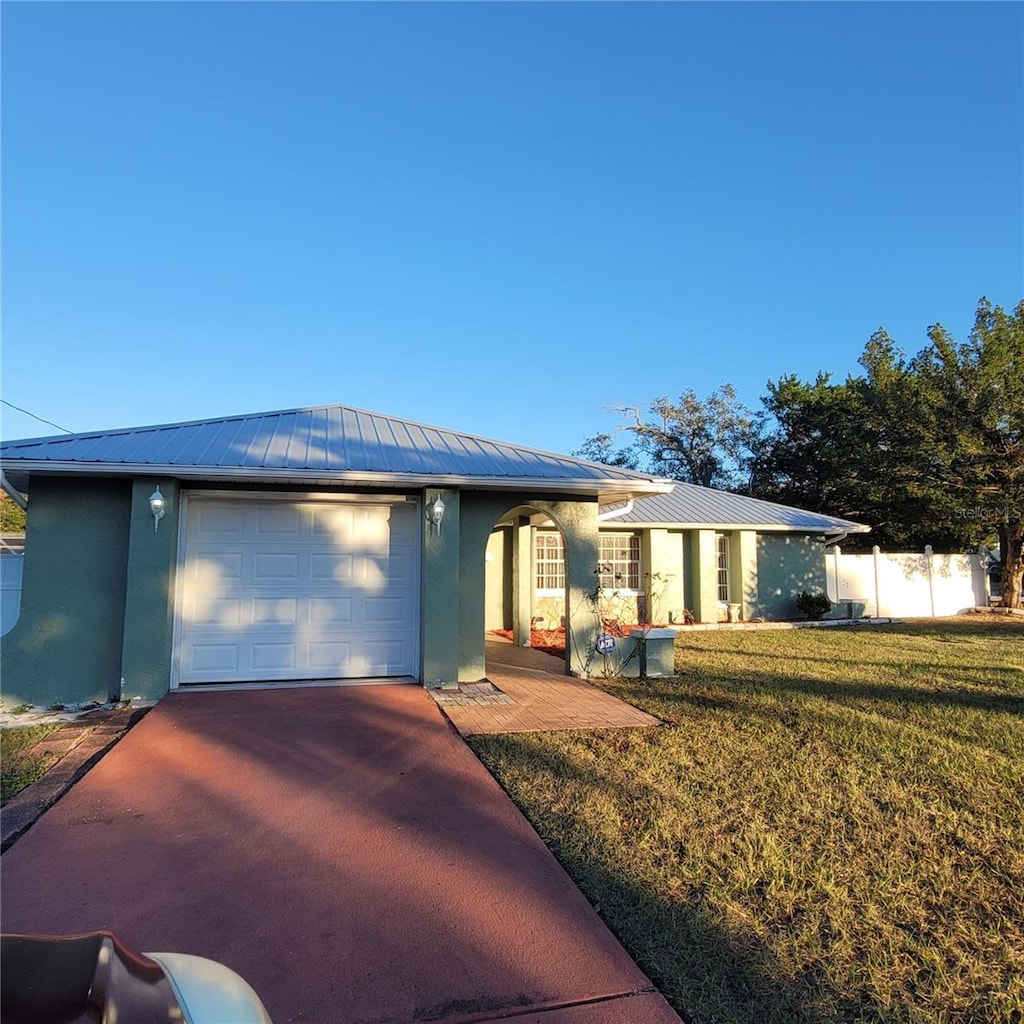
722	542
620	561
549	561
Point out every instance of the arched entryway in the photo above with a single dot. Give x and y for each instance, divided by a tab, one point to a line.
525	597
534	563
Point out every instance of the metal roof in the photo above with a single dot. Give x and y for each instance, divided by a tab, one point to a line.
693	506
328	444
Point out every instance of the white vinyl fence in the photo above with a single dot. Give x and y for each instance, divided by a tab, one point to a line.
10	590
907	584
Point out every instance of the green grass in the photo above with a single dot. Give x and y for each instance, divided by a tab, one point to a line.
828	828
17	767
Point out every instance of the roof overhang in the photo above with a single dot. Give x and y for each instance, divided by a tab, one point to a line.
607	491
830	530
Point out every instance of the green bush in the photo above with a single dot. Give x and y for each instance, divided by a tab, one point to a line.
813	606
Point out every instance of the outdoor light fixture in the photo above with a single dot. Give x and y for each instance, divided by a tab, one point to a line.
436	512
158	504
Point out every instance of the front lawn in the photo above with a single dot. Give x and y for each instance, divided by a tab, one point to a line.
18	767
829	827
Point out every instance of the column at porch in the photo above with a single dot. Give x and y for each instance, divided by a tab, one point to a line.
661	568
522	581
704	569
743	572
439	591
578	522
148	639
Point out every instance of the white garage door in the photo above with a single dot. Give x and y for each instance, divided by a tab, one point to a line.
285	590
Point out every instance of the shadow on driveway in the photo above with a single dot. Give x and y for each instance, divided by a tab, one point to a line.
342	849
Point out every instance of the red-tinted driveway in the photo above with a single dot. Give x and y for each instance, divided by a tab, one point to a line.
342	849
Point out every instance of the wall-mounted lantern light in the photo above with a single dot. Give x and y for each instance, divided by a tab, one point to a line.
435	512
158	504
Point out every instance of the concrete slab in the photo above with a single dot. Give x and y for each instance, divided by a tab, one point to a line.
341	849
538	697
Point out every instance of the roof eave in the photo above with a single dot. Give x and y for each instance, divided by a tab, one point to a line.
608	490
837	529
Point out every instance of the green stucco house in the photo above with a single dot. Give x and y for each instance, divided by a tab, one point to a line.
693	555
332	543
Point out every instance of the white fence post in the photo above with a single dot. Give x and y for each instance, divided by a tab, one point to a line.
931	586
836	552
875	552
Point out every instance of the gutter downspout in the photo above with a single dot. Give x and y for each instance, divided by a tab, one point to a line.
624	511
12	492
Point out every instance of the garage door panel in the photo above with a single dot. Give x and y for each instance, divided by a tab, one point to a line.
296	590
273	657
219	519
384	609
327	521
331	567
214	657
208	566
330	610
384	656
219	612
276	566
331	657
280	611
401	568
273	521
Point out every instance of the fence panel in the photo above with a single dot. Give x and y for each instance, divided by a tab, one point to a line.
10	590
906	584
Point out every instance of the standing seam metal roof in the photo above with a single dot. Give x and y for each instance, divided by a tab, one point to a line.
332	439
692	505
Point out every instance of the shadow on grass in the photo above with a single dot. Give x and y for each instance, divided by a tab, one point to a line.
884	695
709	969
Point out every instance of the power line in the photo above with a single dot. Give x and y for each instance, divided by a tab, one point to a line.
49	423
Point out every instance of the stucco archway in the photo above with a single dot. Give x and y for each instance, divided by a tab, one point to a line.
575	521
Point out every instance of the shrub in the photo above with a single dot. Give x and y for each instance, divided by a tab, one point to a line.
814	606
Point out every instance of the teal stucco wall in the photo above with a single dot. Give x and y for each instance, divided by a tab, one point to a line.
149	595
787	563
440	585
97	613
66	645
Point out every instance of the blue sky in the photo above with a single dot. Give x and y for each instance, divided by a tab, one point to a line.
501	218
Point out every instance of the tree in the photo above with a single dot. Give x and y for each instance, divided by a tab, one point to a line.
12	518
925	450
813	457
844	450
601	448
708	441
970	423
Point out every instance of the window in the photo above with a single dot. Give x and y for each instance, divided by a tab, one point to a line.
723	567
549	561
618	554
620	561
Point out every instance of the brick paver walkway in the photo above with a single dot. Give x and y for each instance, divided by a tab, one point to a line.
542	699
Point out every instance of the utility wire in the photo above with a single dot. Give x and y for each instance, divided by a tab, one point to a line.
49	423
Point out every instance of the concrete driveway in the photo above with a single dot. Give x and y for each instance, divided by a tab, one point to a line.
342	849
